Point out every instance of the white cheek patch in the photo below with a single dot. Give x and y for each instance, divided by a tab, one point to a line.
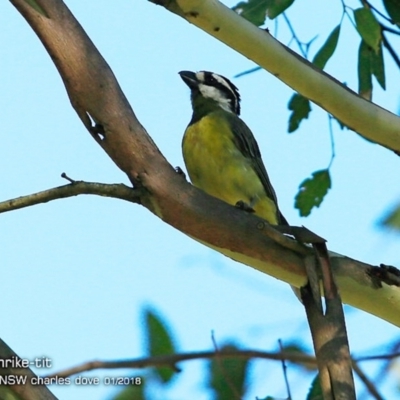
210	92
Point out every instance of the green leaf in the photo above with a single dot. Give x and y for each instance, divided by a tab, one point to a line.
159	342
277	7
131	392
364	71
301	108
327	50
370	63
228	375
256	11
378	67
36	7
312	191
392	219
393	9
315	392
368	27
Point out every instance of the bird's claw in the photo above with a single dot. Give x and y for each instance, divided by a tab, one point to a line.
179	171
242	205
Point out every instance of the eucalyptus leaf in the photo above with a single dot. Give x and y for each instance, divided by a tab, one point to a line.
256	11
393	9
364	71
368	27
392	219
277	7
228	375
315	392
312	191
159	342
378	67
131	392
328	48
300	107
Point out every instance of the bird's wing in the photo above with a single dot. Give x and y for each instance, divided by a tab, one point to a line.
247	144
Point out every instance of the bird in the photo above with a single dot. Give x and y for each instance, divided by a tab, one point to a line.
220	152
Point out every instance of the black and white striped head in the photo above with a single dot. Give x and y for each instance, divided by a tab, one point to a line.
214	87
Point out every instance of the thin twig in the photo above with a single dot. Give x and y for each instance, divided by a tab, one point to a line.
372	7
284	368
378	357
391	51
65	176
367	382
118	191
345	7
383	372
294	36
330	118
170	360
390	30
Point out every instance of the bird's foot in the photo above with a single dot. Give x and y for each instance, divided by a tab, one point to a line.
180	172
245	206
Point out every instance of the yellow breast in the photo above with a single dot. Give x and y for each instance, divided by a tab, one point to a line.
217	166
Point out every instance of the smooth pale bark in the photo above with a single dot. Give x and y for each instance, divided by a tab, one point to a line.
369	120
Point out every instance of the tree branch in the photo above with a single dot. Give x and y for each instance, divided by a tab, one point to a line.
171	360
390	49
118	191
96	96
28	390
371	387
328	328
358	114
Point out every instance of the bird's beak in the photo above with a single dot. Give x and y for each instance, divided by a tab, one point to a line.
189	78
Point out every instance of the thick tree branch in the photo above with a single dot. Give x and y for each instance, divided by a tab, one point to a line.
93	89
360	115
96	96
328	328
29	390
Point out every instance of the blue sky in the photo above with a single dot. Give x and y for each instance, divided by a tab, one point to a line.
77	272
